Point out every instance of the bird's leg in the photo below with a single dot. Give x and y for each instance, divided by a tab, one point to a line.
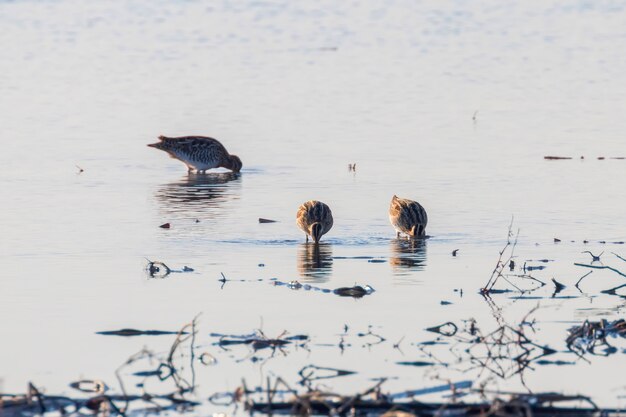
307	238
397	235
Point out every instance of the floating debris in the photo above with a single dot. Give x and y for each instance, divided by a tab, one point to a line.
312	373
602	267
135	332
147	374
446	329
600	158
262	220
416	363
294	285
432	343
259	341
558	362
377	261
157	269
207	359
497	291
90	386
533	267
165	226
268	343
454	252
591	336
377	339
355	292
594	258
558	287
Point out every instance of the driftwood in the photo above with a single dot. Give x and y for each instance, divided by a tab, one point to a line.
262	220
373	400
135	332
514	408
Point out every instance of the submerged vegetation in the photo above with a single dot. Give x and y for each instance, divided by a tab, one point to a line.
485	353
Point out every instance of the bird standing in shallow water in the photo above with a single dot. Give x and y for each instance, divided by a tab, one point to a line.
408	217
198	153
315	219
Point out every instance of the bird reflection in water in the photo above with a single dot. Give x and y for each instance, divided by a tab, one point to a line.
408	254
196	194
315	261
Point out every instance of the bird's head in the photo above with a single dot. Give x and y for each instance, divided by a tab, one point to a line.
233	163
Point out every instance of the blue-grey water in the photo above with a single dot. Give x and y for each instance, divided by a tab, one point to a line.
452	103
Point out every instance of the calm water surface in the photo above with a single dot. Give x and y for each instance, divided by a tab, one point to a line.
299	91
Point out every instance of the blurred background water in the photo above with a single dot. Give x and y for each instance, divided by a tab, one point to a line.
451	103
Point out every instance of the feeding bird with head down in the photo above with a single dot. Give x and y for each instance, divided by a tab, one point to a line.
408	217
315	219
199	153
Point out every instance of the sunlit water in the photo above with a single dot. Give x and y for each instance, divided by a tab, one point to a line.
450	103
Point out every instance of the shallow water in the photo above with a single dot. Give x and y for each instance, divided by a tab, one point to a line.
299	91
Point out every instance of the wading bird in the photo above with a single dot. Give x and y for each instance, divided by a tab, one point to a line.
408	217
199	153
315	219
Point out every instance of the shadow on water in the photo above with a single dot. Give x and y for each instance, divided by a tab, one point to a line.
407	255
315	262
193	194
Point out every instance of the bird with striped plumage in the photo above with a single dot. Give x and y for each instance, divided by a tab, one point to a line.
408	217
315	219
199	153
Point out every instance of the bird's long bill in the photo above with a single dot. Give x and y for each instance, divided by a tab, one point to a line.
316	232
155	145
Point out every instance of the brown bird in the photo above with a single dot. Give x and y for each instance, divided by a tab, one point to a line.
198	153
408	217
315	219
